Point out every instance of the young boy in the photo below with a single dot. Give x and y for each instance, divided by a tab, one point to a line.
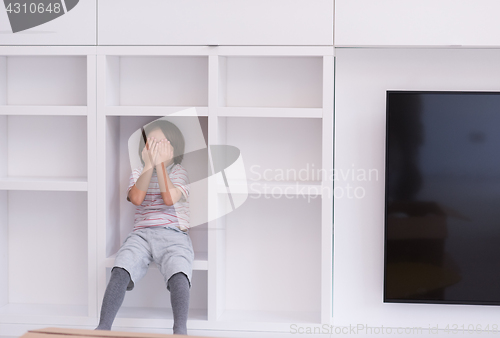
160	190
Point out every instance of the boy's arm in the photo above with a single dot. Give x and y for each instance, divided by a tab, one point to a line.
171	195
138	192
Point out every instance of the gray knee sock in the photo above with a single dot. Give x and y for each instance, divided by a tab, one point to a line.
113	297
179	297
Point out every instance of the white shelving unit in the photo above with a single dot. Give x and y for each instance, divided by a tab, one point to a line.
263	266
115	222
135	88
276	106
47	185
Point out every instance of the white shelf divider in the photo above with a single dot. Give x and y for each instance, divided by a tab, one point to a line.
269	112
92	167
215	278
154	317
4	246
327	190
43	110
214	50
275	188
3	80
200	262
151	110
101	161
274	317
48	50
284	51
44	183
45	314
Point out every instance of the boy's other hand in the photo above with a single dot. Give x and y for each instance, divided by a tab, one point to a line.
150	153
165	152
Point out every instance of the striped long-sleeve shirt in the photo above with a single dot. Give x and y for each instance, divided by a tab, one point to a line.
153	211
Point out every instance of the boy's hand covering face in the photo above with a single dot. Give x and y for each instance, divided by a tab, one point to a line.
165	152
150	152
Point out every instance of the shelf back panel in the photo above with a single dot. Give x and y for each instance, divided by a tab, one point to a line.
151	292
4	247
157	80
3	145
277	149
46	80
273	260
271	81
3	80
48	247
49	146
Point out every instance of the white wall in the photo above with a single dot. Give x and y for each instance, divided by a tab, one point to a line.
362	78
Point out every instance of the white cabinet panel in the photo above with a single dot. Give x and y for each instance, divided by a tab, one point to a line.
414	23
273	22
155	22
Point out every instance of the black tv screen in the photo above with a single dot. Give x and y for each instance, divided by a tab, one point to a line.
442	198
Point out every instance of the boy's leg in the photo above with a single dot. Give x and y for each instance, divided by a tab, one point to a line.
113	297
179	298
173	252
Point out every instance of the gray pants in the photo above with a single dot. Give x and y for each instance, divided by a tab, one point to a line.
171	250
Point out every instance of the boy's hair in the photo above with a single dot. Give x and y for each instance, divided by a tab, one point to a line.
172	133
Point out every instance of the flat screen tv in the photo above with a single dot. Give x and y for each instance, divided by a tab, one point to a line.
442	197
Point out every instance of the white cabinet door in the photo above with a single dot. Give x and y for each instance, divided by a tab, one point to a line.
273	22
216	22
417	23
155	22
